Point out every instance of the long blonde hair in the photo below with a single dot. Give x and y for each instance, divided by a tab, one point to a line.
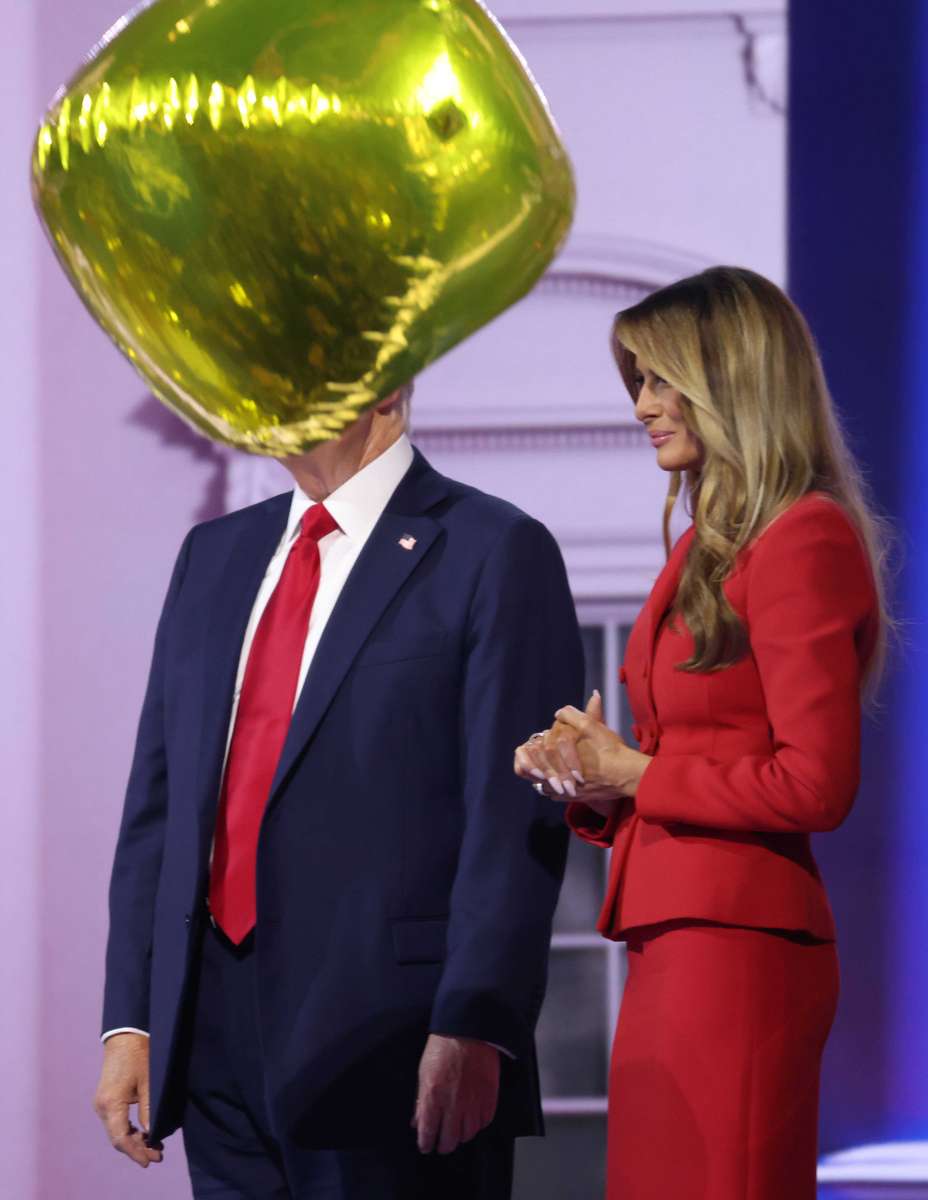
755	396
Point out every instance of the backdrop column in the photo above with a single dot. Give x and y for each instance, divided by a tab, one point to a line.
120	486
19	615
859	269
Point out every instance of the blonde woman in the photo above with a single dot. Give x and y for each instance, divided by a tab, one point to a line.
744	671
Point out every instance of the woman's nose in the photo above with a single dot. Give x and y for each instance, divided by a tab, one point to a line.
645	405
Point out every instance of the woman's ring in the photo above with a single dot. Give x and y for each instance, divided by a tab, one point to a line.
540	789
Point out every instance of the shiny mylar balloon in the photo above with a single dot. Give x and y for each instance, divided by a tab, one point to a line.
282	210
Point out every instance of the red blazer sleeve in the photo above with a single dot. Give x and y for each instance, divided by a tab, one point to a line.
591	826
810	609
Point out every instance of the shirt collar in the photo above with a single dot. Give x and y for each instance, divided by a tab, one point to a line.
359	503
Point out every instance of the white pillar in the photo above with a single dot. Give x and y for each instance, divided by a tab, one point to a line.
19	611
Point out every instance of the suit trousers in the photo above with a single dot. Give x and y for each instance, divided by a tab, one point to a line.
232	1151
715	1070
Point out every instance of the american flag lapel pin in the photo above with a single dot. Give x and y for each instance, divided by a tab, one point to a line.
408	542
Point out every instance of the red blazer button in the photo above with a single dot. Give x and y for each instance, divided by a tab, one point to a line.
623	675
636	732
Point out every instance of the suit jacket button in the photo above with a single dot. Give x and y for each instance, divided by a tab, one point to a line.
186	918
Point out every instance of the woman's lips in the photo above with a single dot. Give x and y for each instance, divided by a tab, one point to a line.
658	439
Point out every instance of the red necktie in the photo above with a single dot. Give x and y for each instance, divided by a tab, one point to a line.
261	723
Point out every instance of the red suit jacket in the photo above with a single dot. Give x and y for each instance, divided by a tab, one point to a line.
752	759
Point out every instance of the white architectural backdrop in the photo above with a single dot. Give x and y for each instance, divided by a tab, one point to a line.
673	111
675	117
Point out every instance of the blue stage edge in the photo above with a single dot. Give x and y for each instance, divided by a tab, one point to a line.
859	270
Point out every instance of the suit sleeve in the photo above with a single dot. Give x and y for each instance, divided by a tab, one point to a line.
524	660
810	610
137	861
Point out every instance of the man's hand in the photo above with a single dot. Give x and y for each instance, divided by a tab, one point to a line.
124	1082
458	1091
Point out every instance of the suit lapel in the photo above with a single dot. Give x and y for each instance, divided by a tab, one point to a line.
665	590
236	587
382	568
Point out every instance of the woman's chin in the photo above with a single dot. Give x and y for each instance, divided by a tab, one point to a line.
668	461
669	458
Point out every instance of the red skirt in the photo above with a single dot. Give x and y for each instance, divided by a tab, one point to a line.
714	1085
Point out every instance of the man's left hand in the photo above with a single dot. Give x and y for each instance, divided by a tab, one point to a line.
458	1091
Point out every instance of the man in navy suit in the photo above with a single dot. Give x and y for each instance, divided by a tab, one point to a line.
331	900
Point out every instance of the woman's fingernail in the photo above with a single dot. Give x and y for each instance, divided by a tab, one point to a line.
556	784
578	776
539	774
570	788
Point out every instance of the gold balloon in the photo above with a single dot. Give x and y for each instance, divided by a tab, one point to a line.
282	210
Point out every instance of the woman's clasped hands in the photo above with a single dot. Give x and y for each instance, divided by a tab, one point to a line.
581	758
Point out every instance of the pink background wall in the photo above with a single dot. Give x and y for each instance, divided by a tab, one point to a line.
19	847
113	503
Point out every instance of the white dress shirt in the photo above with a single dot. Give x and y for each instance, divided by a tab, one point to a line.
356	506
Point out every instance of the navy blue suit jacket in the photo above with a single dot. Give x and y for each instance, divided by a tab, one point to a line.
406	880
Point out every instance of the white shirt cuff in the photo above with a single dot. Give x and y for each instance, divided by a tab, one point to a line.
144	1033
502	1050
